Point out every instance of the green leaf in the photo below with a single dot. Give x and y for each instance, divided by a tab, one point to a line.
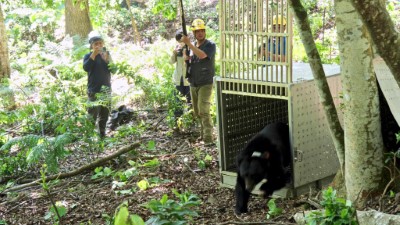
151	145
116	184
152	163
273	209
132	163
98	169
208	158
344	213
121	217
124	192
62	210
48	215
164	199
137	220
130	172
143	185
201	164
107	171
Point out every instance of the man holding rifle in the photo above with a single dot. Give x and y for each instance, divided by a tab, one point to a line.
200	75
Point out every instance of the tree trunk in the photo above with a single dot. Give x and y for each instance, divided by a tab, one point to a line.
6	94
363	139
319	77
5	70
135	30
383	33
77	21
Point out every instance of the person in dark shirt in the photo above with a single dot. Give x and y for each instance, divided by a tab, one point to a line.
95	63
201	76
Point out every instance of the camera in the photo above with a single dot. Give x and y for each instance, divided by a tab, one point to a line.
180	52
178	35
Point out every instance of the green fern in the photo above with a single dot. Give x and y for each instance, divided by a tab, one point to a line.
37	148
25	142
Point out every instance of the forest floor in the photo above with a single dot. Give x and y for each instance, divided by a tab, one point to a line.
92	201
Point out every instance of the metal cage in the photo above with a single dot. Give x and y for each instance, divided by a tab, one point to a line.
254	90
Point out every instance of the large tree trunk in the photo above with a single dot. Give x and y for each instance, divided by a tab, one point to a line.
319	77
4	60
6	94
382	31
77	21
363	139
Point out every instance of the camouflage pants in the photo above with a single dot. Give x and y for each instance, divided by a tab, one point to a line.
201	101
99	109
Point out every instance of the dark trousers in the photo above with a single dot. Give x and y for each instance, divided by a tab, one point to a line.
99	112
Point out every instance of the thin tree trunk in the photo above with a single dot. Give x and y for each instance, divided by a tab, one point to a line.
77	21
5	70
382	31
319	77
135	30
363	139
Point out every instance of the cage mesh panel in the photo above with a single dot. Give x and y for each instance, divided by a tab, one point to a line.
244	117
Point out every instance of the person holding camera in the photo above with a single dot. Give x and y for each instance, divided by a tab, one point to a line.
95	63
201	77
179	79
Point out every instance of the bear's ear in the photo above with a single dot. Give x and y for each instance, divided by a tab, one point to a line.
266	155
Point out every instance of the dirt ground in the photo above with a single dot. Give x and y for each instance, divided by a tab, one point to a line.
90	201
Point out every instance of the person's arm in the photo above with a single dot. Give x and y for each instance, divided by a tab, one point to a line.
106	57
172	59
88	62
281	56
198	52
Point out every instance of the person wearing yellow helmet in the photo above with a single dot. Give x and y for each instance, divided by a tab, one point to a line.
95	63
201	76
276	49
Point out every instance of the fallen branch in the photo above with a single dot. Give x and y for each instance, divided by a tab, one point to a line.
254	223
310	202
79	170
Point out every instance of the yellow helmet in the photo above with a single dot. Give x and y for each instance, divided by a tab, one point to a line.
279	20
198	24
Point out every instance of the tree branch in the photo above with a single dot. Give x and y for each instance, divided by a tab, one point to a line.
92	165
382	31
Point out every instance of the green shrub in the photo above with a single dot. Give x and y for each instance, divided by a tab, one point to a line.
337	211
168	212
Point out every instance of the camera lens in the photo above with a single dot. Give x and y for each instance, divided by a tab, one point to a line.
180	52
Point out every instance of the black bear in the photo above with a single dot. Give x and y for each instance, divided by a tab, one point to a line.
266	156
